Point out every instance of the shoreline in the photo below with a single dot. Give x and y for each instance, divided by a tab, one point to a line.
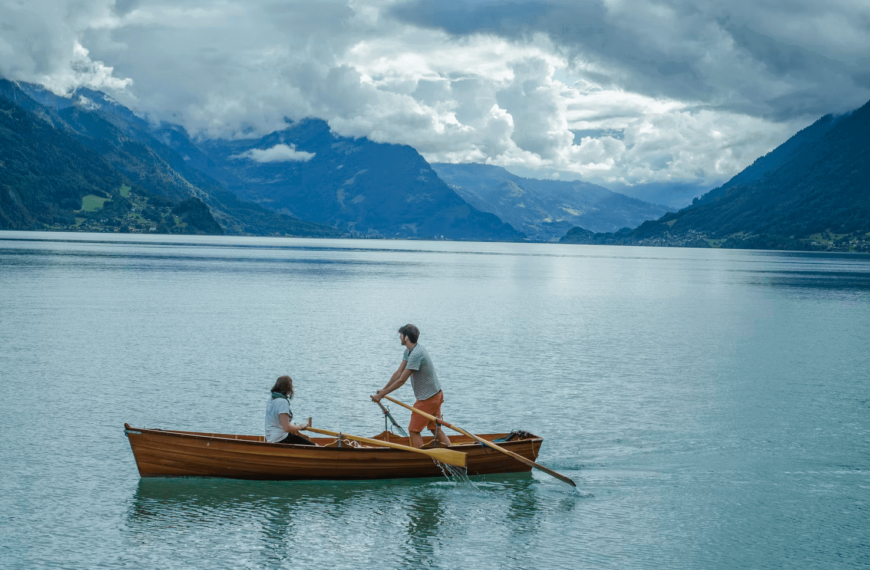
212	240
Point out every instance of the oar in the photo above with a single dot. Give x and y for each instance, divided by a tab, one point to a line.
447	456
519	458
393	420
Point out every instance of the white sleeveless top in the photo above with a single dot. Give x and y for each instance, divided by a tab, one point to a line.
276	407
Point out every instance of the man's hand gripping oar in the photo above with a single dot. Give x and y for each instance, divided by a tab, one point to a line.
490	444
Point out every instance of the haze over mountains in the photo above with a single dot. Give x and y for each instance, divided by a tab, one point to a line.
674	195
812	192
545	209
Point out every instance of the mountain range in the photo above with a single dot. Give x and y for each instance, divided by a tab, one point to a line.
545	209
355	185
302	180
89	134
85	162
811	192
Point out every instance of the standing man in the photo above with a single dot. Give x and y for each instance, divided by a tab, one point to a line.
417	365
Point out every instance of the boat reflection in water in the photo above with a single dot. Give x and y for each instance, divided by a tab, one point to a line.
316	523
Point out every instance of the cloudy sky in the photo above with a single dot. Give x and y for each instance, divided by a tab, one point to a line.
609	91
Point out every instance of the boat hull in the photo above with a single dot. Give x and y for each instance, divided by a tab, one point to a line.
160	453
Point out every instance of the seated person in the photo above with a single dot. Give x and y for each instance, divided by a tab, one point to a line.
278	416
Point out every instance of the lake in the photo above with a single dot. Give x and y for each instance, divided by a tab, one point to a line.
713	406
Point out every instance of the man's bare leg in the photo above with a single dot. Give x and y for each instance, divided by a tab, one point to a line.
416	439
442	437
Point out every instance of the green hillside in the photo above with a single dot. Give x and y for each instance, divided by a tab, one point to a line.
45	173
51	180
124	144
811	193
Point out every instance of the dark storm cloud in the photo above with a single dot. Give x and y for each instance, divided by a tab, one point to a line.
613	92
776	59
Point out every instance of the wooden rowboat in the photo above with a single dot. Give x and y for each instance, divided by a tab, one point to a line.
163	453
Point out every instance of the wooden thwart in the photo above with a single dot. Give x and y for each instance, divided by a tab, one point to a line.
490	444
450	457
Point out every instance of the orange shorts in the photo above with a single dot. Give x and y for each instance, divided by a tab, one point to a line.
432	406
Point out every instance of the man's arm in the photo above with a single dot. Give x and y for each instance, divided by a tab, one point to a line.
396	381
397	373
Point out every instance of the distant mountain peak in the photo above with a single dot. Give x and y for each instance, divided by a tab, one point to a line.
353	184
544	209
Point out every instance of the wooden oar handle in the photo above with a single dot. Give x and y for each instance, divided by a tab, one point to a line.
322	431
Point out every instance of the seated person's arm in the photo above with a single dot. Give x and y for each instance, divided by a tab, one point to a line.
292	428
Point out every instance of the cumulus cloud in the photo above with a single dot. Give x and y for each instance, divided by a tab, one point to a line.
613	92
778	58
40	41
278	153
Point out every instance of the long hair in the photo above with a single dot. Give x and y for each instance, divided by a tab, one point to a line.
284	384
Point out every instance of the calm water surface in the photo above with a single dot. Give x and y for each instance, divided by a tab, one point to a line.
713	406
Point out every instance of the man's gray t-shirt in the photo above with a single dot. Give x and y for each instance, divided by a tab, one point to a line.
424	381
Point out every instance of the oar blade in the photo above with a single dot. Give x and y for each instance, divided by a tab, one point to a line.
450	457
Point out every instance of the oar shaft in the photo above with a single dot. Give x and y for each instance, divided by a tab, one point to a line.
450	456
360	439
487	443
392	419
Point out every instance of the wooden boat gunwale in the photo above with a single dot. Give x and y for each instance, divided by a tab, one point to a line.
171	453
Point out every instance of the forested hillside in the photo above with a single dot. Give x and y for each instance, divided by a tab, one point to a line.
45	173
812	192
126	143
49	180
